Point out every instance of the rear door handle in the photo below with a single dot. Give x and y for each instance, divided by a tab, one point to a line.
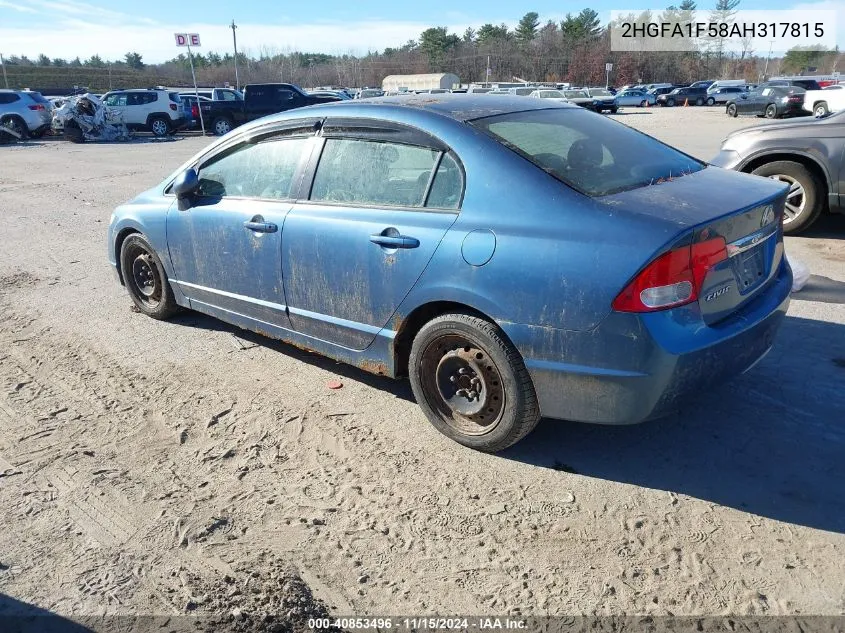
394	241
261	227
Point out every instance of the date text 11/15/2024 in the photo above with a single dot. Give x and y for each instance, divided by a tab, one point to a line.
419	623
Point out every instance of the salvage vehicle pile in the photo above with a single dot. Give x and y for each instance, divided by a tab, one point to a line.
86	118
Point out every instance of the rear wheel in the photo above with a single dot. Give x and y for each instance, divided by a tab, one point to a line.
699	102
804	198
771	111
643	103
711	101
15	124
73	133
145	278
471	382
731	110
222	125
159	126
614	110
820	109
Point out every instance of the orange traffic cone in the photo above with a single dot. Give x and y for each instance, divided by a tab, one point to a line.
686	103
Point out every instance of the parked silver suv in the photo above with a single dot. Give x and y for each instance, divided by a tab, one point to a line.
153	110
26	113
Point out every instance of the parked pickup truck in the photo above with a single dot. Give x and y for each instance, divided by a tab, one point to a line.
825	101
259	100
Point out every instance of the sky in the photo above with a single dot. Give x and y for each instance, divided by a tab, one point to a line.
70	28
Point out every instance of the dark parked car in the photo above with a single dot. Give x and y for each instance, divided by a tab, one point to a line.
807	154
383	234
772	102
806	84
603	100
259	100
680	96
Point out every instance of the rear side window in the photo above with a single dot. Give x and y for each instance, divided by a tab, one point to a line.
37	97
261	170
448	185
174	97
591	154
8	97
374	173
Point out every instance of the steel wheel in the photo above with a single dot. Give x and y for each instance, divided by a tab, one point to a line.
771	111
159	127
462	383
796	199
731	110
16	126
711	101
821	110
144	280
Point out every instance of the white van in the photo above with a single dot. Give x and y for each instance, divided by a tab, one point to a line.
724	83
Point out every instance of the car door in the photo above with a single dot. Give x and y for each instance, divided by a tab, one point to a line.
382	198
226	248
745	103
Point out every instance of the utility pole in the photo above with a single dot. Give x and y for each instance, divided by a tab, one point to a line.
3	65
233	26
766	68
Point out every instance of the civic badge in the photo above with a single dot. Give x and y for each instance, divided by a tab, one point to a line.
768	215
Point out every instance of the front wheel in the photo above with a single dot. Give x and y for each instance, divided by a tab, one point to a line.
771	111
472	383
670	102
731	110
145	278
711	101
804	200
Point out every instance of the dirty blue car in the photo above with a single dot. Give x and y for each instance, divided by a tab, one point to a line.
513	259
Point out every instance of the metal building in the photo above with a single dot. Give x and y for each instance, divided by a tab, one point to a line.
392	83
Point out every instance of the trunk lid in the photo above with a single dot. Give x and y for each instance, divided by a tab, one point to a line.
713	203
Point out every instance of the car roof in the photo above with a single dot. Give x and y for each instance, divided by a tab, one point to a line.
460	107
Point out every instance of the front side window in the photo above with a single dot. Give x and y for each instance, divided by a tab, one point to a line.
374	173
591	154
260	170
118	99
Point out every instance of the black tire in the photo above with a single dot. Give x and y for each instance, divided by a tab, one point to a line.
614	110
670	102
72	132
145	278
812	193
771	111
643	103
222	125
820	109
699	101
37	134
501	406
160	126
16	124
711	101
731	110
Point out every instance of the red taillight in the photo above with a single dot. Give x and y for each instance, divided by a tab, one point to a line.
195	111
796	99
673	279
37	107
174	107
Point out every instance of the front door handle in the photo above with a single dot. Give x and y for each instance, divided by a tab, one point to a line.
261	227
394	241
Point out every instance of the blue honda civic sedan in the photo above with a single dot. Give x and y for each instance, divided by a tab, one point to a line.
514	259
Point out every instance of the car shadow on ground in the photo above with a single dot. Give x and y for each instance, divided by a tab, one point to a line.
21	617
625	113
828	226
823	289
770	442
243	340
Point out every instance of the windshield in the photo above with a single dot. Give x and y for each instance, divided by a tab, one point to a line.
551	94
591	154
575	94
600	93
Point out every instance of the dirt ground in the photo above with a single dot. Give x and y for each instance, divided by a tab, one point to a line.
188	467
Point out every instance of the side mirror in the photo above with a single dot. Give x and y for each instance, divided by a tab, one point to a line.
184	187
186	183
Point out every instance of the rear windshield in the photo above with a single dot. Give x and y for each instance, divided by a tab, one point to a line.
590	153
575	94
174	96
37	97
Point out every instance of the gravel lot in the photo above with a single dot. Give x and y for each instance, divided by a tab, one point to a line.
150	467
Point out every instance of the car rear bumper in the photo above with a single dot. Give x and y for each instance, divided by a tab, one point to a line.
633	368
